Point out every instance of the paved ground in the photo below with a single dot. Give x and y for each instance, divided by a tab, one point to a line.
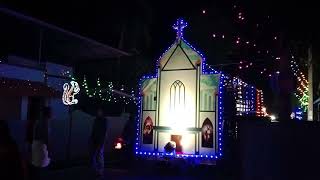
84	173
143	170
140	172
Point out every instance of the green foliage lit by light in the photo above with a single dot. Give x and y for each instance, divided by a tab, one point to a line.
304	101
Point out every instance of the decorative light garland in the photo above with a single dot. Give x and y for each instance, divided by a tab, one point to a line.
31	86
260	103
303	83
108	93
303	87
239	18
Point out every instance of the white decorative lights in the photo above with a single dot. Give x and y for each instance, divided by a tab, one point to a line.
69	92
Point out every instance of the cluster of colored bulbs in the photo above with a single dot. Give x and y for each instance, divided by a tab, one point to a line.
303	88
260	103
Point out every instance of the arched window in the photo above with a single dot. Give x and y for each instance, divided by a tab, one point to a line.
177	95
147	131
207	134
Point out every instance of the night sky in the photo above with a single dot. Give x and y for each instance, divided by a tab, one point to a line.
149	23
214	28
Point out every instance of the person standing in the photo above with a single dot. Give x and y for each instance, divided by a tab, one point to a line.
97	140
33	116
40	155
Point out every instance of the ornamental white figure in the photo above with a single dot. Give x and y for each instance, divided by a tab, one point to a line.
69	92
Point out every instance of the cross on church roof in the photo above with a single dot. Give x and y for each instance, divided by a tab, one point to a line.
179	26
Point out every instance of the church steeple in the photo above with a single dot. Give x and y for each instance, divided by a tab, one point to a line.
179	26
181	52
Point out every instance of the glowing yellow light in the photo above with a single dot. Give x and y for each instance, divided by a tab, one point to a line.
272	117
177	116
264	111
185	142
118	146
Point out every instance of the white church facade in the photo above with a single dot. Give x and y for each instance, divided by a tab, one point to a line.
181	104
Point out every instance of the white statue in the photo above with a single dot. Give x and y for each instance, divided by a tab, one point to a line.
69	92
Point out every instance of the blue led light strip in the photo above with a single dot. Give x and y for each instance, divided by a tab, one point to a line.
180	24
220	115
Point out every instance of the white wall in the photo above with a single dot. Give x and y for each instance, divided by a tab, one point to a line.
22	73
187	117
178	120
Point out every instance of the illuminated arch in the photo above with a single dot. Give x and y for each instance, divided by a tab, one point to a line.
147	131
207	134
177	95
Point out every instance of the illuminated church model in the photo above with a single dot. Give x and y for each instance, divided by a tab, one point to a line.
183	104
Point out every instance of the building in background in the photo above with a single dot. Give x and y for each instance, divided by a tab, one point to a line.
36	59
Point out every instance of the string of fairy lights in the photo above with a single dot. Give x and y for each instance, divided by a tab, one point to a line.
238	41
260	103
246	63
302	86
249	100
106	91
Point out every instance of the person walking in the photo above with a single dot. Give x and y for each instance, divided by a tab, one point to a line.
97	141
40	156
33	116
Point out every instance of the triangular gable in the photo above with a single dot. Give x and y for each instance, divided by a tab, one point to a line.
165	57
178	60
189	53
193	56
149	85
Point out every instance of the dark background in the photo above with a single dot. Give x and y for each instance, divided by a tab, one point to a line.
143	28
